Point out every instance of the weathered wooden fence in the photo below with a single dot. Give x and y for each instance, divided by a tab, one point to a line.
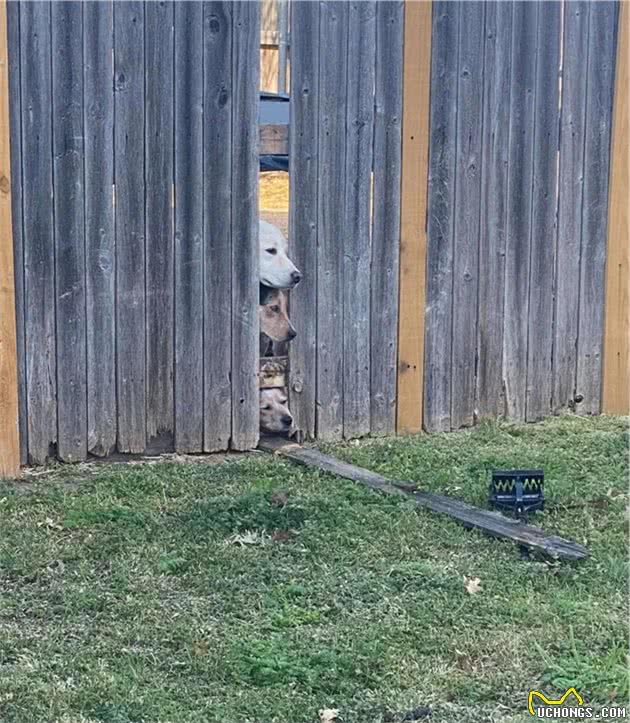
134	139
512	315
449	206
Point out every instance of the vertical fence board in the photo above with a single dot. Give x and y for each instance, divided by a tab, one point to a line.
333	39
217	273
356	234
598	125
69	226
158	150
544	203
438	339
245	273
39	257
494	173
386	217
413	216
130	229
616	370
303	195
466	222
189	280
519	200
15	113
100	250
570	192
9	433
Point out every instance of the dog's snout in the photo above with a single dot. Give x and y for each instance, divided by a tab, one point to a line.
292	333
296	277
287	419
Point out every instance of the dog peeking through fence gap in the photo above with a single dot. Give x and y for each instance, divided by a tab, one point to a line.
277	274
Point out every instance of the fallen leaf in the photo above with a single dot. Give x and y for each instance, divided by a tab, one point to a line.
249	537
327	715
283	535
200	648
50	524
279	499
472	584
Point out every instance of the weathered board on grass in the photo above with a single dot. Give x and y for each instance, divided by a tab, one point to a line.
492	523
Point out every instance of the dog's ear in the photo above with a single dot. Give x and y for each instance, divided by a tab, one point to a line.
265	294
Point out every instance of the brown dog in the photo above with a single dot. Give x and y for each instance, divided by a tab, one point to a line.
275	416
275	324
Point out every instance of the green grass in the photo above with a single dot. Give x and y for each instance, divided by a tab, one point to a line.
256	591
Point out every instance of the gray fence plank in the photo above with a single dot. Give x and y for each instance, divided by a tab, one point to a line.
245	272
333	39
189	280
217	145
39	257
158	149
466	223
69	225
100	252
498	44
598	123
357	226
386	217
521	146
570	190
303	231
544	204
441	199
15	113
130	229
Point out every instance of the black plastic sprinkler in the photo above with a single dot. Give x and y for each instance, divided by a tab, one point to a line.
518	491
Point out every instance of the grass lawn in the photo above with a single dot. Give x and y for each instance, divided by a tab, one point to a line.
253	590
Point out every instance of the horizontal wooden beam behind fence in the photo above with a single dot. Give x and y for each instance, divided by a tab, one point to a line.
616	373
9	440
413	241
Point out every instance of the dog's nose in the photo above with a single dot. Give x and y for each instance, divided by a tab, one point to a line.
287	419
292	333
295	277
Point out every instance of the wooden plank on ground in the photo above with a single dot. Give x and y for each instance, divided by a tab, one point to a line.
158	153
492	523
100	251
217	218
15	112
303	192
390	21
467	210
189	200
616	371
69	225
245	254
130	228
333	62
413	212
598	124
570	192
355	237
494	175
9	436
441	214
39	256
519	200
544	205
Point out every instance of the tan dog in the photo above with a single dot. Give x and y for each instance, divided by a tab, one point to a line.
275	324
275	416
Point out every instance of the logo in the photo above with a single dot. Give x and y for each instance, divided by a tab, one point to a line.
549	702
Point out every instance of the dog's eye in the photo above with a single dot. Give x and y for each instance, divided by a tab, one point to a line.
272	251
283	401
266	406
275	308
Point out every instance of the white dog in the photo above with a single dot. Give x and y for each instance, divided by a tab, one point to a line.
276	268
